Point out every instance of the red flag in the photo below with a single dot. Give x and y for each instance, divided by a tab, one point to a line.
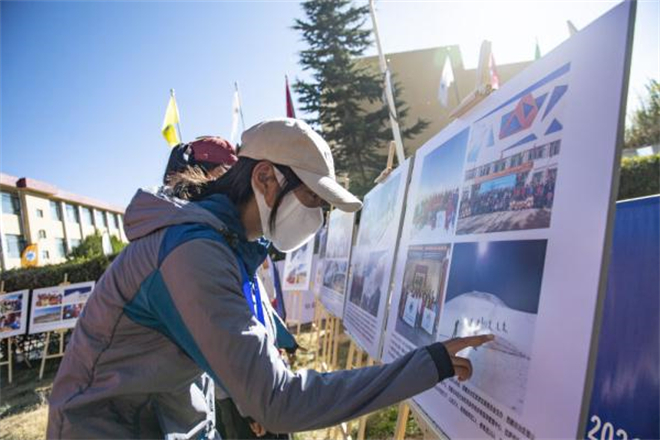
290	111
492	71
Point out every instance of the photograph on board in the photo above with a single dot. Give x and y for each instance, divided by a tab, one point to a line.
421	292
512	161
340	234
379	212
334	275
48	297
369	282
10	322
297	267
495	287
436	205
47	314
77	293
72	311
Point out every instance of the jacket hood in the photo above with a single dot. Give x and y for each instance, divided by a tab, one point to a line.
153	209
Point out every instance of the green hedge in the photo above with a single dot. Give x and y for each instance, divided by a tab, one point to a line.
37	277
640	176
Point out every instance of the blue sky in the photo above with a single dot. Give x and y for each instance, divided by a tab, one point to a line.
510	270
443	168
84	85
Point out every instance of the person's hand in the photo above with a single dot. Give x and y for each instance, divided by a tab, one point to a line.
463	366
258	430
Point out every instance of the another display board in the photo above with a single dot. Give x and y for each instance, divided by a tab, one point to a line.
337	258
13	313
372	261
58	307
625	402
298	268
505	232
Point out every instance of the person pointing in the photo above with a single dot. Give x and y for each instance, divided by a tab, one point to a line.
180	303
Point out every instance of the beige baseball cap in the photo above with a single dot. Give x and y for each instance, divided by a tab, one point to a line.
293	143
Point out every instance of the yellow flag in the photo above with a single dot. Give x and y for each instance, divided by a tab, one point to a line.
30	257
169	123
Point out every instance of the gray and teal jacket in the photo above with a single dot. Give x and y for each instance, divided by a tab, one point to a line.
170	312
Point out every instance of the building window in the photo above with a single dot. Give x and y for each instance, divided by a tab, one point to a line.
40	213
42	233
101	221
15	245
11	204
87	216
115	220
45	255
554	148
72	213
60	248
74	243
55	211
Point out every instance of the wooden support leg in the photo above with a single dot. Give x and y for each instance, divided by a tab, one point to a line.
362	424
401	421
317	325
44	356
9	362
300	312
335	346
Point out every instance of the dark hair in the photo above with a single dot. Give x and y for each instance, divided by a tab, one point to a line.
184	178
237	185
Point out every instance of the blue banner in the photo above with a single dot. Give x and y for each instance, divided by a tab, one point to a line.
625	400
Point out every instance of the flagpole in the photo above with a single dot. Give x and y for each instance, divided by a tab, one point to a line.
178	124
388	88
240	104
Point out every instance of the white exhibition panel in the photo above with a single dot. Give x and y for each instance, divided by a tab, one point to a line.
372	261
13	313
336	260
298	268
58	307
505	232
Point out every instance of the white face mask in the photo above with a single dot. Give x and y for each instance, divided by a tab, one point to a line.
295	223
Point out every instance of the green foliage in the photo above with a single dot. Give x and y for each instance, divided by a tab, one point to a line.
640	176
92	246
341	88
644	129
36	277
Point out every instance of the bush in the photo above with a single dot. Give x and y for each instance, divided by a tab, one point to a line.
640	176
36	277
92	247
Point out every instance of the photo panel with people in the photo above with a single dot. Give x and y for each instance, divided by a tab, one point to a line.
13	313
337	258
372	261
505	233
58	307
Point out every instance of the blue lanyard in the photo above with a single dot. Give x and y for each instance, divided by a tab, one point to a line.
251	293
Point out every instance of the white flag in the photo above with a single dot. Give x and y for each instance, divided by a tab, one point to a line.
445	82
235	116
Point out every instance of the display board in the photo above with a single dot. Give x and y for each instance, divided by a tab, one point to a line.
13	313
625	402
58	307
337	258
505	232
298	268
372	261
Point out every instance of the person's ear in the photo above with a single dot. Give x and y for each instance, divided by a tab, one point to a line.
264	181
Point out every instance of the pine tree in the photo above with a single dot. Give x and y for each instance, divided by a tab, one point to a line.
644	129
342	88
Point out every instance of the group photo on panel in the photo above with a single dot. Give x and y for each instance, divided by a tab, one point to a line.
397	237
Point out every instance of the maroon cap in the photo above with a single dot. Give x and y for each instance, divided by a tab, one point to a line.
214	150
